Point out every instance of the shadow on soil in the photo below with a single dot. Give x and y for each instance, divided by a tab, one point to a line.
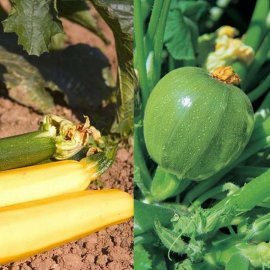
77	71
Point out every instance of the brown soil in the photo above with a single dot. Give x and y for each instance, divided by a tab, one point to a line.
109	249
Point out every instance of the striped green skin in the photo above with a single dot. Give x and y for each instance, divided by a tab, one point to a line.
103	159
195	125
25	149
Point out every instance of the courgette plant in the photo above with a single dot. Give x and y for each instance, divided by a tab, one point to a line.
201	144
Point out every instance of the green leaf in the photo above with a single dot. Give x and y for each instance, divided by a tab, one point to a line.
178	37
184	265
206	44
145	214
79	12
188	265
146	238
194	32
194	10
119	16
239	262
148	257
142	259
170	239
24	82
58	42
158	259
35	22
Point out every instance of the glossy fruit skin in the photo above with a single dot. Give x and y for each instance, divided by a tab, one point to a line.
44	224
195	125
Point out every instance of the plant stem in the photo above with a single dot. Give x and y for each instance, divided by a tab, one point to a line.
257	27
249	196
201	188
255	33
145	177
247	255
149	42
257	62
249	171
185	184
158	39
155	16
207	195
260	90
140	53
264	71
146	7
265	103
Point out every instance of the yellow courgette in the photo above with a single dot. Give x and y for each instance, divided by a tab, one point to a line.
51	179
32	227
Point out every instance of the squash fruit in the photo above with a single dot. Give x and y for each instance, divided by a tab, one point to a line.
32	227
195	124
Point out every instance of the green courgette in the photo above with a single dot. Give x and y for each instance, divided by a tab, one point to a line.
57	138
26	149
196	123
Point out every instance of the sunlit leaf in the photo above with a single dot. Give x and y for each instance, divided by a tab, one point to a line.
239	262
146	214
170	239
194	9
178	37
35	22
119	16
142	259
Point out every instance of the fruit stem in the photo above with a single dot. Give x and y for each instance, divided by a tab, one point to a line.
226	75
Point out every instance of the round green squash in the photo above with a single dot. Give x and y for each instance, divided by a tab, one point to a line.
195	125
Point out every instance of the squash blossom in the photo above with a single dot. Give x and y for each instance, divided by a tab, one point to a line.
228	49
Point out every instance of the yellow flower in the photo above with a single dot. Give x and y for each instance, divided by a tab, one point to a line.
228	49
227	31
